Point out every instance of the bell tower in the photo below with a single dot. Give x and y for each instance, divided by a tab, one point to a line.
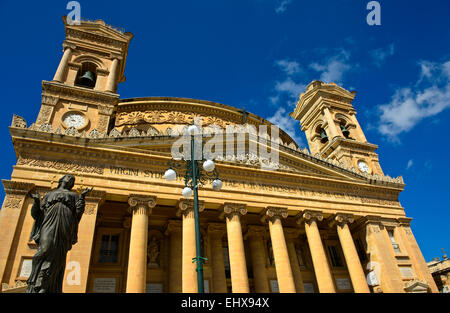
328	118
82	95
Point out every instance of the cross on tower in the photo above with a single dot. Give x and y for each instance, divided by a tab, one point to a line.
244	115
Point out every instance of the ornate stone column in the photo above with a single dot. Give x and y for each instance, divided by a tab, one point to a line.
62	68
81	252
318	255
15	202
189	274
215	232
141	207
255	237
280	253
238	265
351	255
112	78
291	234
174	229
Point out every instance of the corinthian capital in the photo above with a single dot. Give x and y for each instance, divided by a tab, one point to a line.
309	216
141	203
231	209
271	213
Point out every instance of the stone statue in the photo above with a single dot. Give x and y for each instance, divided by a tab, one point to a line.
153	252
55	231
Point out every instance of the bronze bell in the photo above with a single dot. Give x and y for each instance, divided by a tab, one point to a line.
345	131
88	79
323	136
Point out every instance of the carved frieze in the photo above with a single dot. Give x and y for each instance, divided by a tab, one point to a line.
63	165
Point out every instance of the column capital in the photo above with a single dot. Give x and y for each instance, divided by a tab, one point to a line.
217	229
231	209
16	187
341	219
404	221
173	226
291	233
271	213
185	206
255	231
96	196
68	45
141	202
115	56
309	216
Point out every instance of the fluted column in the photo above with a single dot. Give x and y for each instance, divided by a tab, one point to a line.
141	207
273	216
255	235
174	229
319	258
291	234
351	255
62	67
112	78
189	274
238	266
219	281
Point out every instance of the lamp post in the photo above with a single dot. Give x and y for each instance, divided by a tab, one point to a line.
193	176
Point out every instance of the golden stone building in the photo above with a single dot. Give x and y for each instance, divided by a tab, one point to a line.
327	220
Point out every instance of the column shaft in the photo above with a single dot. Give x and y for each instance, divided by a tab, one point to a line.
257	252
319	258
59	75
175	259
238	266
282	262
112	78
137	260
218	265
189	275
352	259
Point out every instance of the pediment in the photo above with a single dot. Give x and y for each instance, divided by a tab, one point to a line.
99	28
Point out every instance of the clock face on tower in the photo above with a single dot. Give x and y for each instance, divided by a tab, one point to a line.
74	119
363	166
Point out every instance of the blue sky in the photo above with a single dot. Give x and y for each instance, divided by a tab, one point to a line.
260	54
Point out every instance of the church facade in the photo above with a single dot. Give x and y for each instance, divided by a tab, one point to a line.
326	220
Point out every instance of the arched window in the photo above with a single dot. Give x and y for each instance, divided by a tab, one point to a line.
322	134
87	76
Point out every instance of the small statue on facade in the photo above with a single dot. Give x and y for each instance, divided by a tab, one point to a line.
153	252
55	231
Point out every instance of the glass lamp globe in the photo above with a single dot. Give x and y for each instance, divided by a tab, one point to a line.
170	175
217	184
187	192
209	166
192	129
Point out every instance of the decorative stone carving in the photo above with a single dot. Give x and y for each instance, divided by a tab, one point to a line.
63	165
94	134
309	216
114	133
272	213
18	122
44	115
50	100
13	202
72	131
141	203
134	133
186	206
232	209
46	128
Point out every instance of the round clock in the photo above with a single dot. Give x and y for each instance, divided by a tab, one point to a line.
363	166
74	119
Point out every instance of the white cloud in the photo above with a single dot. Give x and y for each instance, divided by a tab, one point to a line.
334	68
410	163
290	87
282	6
289	67
282	119
379	55
429	97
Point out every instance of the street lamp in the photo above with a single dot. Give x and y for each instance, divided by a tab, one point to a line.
192	177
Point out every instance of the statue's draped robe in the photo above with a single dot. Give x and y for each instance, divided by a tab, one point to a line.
55	231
